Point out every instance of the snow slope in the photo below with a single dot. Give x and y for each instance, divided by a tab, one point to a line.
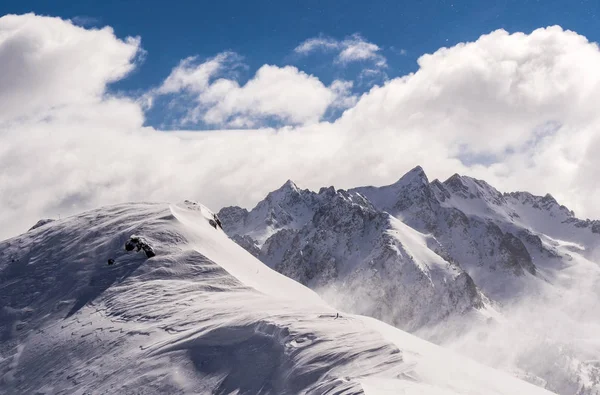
452	261
203	316
335	241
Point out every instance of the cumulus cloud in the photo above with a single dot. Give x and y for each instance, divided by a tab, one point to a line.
46	66
358	49
284	94
352	49
523	102
193	77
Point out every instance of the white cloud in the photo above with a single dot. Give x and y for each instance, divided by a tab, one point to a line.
45	66
492	98
352	49
193	77
370	77
356	49
343	94
285	94
317	43
467	94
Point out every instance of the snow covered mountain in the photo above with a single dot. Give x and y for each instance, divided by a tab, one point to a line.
201	316
437	258
336	238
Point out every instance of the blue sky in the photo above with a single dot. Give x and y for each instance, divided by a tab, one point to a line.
266	32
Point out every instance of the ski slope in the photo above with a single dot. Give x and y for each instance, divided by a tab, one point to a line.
203	316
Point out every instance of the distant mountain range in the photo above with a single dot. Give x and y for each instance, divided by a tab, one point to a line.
429	257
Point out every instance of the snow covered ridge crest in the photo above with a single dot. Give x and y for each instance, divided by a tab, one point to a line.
199	316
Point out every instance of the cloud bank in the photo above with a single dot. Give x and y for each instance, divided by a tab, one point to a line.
47	64
518	110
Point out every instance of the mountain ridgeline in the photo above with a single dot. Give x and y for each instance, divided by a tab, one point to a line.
198	316
415	252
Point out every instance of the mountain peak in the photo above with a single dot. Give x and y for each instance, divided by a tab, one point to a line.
471	188
328	191
417	171
289	187
289	184
417	174
454	180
